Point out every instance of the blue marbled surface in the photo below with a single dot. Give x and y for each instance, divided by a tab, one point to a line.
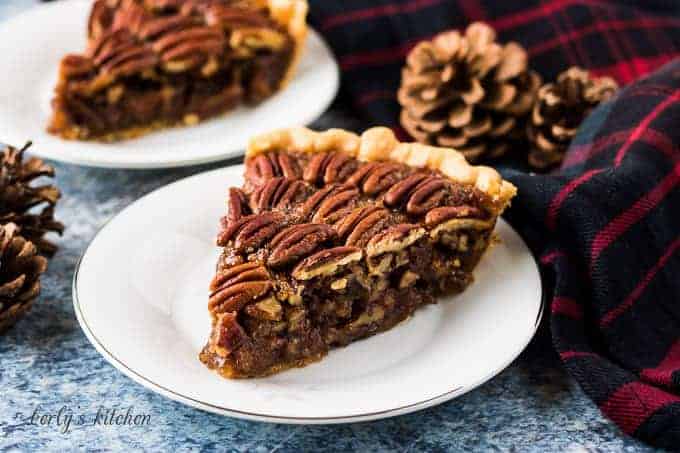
47	364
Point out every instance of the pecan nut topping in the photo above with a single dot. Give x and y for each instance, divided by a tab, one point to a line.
440	215
347	225
233	288
400	192
336	204
427	195
271	165
361	225
251	231
454	218
329	204
297	242
277	193
308	208
326	262
394	239
376	177
328	168
237	205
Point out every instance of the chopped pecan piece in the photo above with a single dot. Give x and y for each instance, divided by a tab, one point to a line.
456	218
227	335
269	309
441	215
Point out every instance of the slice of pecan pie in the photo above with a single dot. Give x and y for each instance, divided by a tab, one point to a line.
334	237
158	63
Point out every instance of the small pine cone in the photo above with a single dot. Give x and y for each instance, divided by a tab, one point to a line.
20	270
559	110
30	207
467	92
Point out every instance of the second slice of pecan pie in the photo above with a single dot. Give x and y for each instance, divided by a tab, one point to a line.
158	63
334	237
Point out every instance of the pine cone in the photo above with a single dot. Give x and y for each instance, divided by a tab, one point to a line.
20	270
31	208
467	92
559	110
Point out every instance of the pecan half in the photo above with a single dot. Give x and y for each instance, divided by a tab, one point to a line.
375	177
361	224
345	226
227	335
235	287
329	203
394	239
277	193
327	168
326	262
184	49
118	54
427	195
156	27
297	242
336	204
238	274
266	166
251	231
441	215
453	218
237	205
400	193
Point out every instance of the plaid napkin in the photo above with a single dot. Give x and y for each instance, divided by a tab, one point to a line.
606	225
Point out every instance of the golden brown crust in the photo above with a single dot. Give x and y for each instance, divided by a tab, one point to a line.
380	144
291	14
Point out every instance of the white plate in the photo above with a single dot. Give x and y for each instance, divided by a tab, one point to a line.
31	46
140	294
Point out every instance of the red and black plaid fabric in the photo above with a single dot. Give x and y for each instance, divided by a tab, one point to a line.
606	225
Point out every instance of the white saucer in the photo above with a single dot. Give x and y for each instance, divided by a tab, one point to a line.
34	42
140	294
